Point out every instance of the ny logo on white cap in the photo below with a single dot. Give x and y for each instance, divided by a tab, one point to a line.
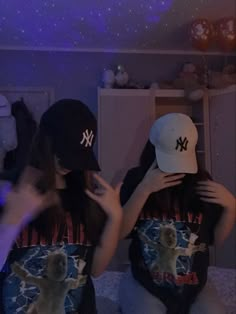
87	138
182	144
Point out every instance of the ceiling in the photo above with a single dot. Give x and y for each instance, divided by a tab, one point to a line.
104	24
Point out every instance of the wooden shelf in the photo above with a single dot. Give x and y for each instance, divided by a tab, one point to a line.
175	93
165	52
165	93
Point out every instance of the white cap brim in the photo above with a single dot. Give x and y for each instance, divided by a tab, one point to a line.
177	163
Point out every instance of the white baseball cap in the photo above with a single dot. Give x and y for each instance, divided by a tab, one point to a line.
175	137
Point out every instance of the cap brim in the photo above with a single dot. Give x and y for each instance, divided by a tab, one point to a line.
172	163
80	161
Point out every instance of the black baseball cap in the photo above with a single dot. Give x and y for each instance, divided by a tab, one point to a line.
72	129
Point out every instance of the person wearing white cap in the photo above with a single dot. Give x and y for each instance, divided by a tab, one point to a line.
173	212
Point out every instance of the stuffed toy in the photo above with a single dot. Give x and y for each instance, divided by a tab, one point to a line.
108	78
223	79
190	81
121	77
8	136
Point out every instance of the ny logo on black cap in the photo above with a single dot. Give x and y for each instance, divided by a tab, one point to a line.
182	144
87	138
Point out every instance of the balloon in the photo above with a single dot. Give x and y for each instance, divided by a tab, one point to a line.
201	33
226	33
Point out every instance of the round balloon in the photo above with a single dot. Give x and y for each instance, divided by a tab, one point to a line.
226	33
201	32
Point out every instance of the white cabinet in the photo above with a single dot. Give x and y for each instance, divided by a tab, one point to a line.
124	119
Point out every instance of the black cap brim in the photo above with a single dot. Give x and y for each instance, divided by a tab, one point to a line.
81	161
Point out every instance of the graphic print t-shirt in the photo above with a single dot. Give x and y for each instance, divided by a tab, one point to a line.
169	255
31	253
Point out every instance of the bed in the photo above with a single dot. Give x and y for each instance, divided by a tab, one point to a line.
107	285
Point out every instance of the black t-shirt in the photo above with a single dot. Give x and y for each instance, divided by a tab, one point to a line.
170	255
31	252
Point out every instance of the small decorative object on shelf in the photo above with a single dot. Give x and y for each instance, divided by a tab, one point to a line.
222	32
133	84
226	33
121	77
201	34
190	81
223	79
154	85
108	78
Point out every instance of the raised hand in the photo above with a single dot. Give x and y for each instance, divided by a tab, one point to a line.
202	247
23	202
156	180
213	192
107	197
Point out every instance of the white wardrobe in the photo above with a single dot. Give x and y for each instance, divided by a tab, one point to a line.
124	120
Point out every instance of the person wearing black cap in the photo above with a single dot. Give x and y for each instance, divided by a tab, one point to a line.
82	216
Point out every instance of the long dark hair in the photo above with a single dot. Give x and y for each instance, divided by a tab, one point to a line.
75	201
183	196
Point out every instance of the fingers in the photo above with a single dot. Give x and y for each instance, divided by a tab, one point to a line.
99	191
101	181
153	166
209	200
118	187
173	180
172	183
204	189
174	177
32	193
30	177
206	193
207	184
92	195
105	185
49	199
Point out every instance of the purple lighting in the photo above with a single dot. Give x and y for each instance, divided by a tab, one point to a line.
85	24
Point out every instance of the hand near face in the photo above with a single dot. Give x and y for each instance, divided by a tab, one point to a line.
107	197
216	193
156	180
23	202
